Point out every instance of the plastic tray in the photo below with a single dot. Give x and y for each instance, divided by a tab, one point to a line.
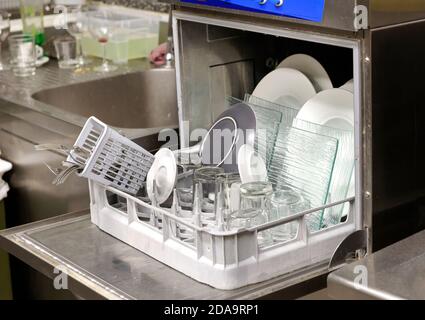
224	260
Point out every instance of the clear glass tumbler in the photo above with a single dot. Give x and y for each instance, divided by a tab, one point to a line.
184	190
227	196
206	178
255	206
286	202
66	53
78	28
23	54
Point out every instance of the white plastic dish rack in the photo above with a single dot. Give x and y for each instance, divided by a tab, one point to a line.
224	260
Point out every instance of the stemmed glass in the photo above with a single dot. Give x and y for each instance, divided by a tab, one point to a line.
4	33
77	28
102	32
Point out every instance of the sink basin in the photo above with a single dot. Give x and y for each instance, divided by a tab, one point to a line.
145	99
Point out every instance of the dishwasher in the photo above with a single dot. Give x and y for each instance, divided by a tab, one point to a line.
223	48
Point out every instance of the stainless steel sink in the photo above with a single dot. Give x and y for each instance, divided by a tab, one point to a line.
144	99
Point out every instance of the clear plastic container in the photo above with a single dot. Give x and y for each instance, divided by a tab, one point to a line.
132	34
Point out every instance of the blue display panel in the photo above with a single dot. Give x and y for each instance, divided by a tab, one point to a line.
311	10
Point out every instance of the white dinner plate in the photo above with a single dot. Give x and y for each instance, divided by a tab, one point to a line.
164	172
332	108
311	68
285	86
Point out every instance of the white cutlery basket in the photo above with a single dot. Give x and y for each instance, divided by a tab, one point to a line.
224	260
111	158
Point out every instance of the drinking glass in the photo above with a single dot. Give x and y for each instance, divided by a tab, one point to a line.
102	31
286	202
254	210
77	28
205	178
184	191
23	54
4	33
227	197
66	53
32	13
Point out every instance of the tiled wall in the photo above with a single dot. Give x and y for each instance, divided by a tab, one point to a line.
141	4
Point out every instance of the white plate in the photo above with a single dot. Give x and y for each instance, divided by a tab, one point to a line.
332	108
311	68
251	166
164	172
349	86
285	86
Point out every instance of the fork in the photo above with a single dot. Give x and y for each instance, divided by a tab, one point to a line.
64	174
64	150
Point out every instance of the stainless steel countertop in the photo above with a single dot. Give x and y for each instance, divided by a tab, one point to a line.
16	95
395	272
100	266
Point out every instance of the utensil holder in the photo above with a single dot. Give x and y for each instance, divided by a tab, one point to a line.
112	160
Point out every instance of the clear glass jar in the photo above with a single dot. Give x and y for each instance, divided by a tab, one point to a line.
255	205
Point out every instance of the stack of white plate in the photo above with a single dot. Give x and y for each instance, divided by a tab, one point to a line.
301	82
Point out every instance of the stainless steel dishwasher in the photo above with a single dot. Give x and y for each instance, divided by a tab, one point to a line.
225	47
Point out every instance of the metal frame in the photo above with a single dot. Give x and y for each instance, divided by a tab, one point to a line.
336	13
340	14
362	100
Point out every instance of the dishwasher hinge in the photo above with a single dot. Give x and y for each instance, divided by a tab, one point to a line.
353	247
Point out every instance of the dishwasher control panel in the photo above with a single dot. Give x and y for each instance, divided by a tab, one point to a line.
311	10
